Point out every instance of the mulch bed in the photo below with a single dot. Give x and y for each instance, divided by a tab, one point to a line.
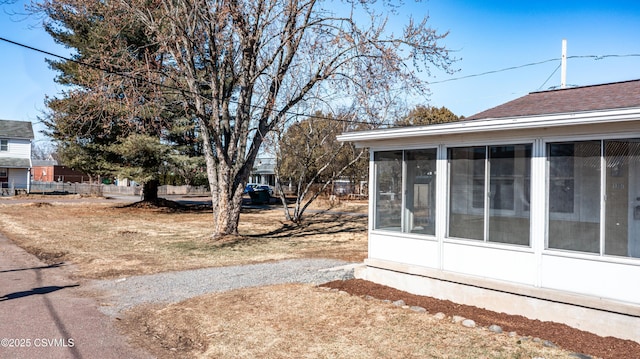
560	334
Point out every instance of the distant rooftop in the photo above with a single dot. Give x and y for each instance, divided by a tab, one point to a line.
16	129
44	163
569	100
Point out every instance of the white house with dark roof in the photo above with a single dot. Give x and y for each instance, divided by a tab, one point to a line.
530	208
15	155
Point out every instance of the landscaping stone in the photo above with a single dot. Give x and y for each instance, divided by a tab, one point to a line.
580	356
495	328
415	308
399	303
457	319
469	323
439	315
549	344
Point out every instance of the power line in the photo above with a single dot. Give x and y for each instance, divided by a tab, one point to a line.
548	78
95	67
595	57
494	71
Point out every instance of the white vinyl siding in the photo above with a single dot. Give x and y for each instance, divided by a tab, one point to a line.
17	148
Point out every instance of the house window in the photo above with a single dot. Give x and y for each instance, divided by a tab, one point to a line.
489	193
388	205
405	191
574	195
4	145
3	178
466	192
576	186
420	190
622	209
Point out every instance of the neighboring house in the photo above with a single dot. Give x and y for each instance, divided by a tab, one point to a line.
263	172
15	155
51	171
530	208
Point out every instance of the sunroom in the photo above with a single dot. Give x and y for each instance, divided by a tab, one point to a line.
531	208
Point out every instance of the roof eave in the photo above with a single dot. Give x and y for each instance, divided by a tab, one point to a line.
495	124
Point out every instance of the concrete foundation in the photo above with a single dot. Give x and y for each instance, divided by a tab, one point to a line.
595	315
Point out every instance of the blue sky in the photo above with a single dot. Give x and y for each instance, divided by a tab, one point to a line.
493	35
485	35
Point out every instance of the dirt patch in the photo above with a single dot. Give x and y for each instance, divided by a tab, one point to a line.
164	204
39	204
560	334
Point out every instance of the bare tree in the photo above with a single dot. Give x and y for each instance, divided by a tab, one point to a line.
243	66
310	158
240	68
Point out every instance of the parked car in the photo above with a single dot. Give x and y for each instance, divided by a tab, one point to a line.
256	187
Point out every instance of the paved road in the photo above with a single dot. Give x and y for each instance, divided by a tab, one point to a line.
43	314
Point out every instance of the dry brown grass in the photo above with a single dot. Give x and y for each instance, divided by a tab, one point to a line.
106	240
285	321
301	321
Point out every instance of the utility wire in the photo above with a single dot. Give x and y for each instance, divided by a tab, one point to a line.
95	67
595	57
548	78
493	71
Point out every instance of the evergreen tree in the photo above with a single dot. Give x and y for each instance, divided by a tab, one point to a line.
112	120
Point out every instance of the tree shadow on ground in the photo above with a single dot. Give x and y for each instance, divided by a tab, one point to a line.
54	265
317	224
166	205
35	291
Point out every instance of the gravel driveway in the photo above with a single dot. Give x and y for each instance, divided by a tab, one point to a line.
121	294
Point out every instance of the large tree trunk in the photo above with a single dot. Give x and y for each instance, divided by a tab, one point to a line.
227	213
226	199
150	191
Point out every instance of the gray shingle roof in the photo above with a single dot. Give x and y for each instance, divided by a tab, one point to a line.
577	99
16	129
9	162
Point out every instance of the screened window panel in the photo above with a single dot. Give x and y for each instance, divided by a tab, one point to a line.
622	209
466	192
561	177
420	201
574	196
388	205
4	145
509	175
